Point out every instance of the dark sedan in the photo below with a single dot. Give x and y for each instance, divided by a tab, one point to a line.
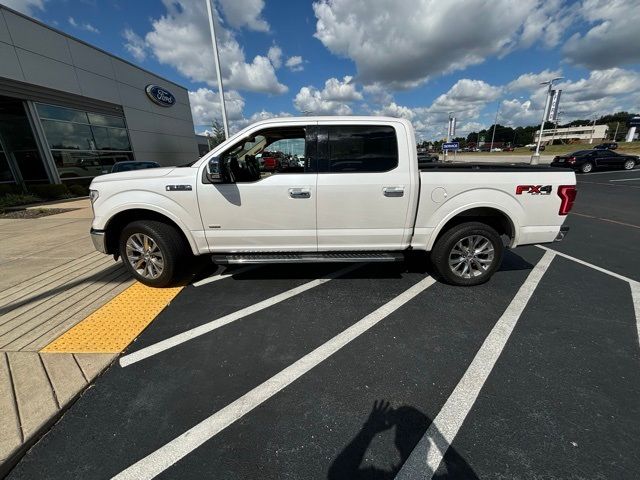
606	146
585	161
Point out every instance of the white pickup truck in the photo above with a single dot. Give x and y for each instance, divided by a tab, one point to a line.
326	189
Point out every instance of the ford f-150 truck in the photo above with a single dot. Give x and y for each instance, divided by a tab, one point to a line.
359	195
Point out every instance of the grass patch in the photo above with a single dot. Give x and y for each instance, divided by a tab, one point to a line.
16	199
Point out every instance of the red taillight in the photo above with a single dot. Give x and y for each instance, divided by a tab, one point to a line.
571	160
567	194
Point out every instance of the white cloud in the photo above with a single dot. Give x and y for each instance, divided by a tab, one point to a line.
394	110
28	7
83	26
135	45
466	98
205	106
180	38
531	81
403	44
275	56
333	99
295	63
245	13
612	41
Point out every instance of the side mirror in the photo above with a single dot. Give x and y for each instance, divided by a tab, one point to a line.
213	169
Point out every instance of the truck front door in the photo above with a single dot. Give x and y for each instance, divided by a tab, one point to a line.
252	207
364	187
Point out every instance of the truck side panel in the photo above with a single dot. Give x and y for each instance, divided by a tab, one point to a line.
532	213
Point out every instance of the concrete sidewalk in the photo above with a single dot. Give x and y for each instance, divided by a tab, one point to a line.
52	278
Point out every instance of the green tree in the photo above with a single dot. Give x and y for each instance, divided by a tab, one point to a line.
216	136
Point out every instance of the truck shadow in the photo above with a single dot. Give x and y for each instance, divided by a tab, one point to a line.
416	262
410	426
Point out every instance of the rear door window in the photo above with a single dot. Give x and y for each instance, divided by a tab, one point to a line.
362	148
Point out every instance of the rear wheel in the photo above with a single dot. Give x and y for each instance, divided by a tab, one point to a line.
629	164
152	251
468	254
586	167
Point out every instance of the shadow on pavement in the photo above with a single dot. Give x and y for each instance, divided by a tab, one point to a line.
410	425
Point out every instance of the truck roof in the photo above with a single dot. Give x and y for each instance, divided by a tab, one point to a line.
334	118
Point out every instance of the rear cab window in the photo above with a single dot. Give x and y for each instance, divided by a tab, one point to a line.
360	149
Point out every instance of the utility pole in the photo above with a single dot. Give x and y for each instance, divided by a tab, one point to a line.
616	134
495	122
535	158
214	44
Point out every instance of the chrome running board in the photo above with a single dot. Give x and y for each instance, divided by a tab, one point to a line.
304	257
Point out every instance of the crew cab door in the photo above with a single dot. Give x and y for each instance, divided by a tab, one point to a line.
364	187
259	206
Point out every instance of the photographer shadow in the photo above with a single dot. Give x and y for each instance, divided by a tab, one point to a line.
410	427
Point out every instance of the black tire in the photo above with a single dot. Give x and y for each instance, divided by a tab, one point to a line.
629	165
444	246
170	244
586	167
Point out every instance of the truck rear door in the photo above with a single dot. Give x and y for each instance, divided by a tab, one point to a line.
364	187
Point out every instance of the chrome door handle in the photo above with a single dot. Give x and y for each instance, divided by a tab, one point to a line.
299	193
393	191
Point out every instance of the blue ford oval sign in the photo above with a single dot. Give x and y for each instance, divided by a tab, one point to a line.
160	96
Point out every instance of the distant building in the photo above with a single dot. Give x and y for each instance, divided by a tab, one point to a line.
69	111
573	134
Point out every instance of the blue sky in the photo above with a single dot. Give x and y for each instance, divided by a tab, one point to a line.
416	59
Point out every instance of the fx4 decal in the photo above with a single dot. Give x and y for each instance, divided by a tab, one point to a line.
534	189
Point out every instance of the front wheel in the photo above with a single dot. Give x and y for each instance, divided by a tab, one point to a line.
468	254
151	251
629	164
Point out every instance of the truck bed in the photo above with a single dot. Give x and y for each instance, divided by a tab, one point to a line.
492	167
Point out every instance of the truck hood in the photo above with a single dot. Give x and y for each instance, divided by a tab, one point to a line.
134	175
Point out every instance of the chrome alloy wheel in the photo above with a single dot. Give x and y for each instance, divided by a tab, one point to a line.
629	164
144	255
471	256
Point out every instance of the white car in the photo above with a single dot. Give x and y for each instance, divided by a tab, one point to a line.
359	196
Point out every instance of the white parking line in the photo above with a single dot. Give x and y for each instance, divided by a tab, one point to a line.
222	275
158	461
609	173
587	264
635	295
625	179
183	337
432	447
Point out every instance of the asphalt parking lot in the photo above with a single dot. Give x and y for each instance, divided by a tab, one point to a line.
378	371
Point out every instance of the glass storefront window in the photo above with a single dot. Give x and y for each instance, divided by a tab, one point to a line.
106	120
84	144
66	135
5	171
111	138
72	165
53	112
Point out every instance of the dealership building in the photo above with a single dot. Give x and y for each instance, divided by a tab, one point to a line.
69	111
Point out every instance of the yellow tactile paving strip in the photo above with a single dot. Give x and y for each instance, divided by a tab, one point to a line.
114	326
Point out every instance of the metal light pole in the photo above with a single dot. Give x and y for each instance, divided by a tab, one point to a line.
616	134
214	44
593	127
495	122
535	158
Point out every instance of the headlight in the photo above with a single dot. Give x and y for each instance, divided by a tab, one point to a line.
93	195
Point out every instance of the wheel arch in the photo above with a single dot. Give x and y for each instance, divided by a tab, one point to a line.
118	221
494	216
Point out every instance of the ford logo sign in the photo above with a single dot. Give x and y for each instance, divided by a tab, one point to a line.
160	96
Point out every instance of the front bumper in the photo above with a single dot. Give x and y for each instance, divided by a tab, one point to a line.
99	240
562	233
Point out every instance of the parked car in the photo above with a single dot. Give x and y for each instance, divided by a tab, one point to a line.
496	149
533	148
586	161
606	146
132	165
365	200
427	158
